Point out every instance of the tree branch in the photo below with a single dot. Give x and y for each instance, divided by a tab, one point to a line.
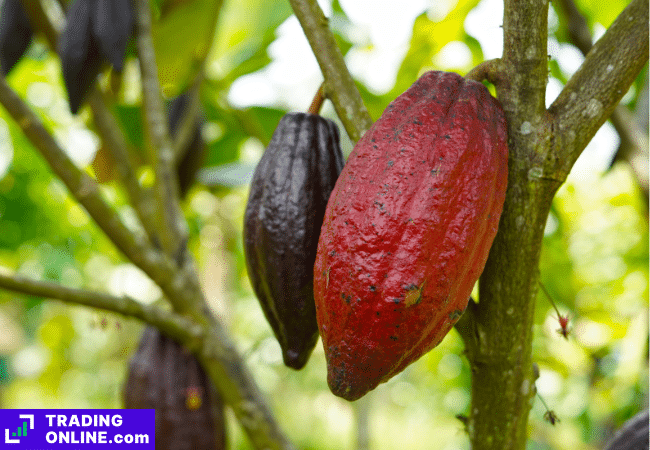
339	85
169	322
173	229
593	92
228	371
109	130
115	143
579	32
175	284
253	414
40	21
633	147
219	356
84	188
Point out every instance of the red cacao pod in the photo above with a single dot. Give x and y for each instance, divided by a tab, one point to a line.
164	376
408	228
284	214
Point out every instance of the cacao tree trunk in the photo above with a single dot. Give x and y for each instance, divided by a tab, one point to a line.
501	331
543	145
500	343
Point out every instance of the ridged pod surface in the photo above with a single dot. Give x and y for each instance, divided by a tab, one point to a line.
95	31
15	34
112	27
81	60
286	204
164	376
408	229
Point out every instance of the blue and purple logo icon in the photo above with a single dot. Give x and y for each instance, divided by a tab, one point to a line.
21	430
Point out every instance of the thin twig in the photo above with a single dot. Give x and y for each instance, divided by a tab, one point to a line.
172	226
110	132
562	320
317	101
115	142
634	141
167	321
593	92
339	85
40	21
82	186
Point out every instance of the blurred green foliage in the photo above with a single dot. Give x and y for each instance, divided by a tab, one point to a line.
594	260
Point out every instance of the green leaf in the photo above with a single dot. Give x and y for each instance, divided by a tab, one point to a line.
130	119
238	125
266	120
246	28
182	39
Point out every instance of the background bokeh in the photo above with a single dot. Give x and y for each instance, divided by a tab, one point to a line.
594	260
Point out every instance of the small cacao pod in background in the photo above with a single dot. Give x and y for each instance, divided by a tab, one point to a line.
286	204
15	34
166	377
408	229
633	435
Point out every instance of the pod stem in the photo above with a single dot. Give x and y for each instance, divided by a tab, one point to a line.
548	296
563	320
491	70
318	100
550	416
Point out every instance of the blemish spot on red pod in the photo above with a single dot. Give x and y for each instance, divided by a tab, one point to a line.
415	211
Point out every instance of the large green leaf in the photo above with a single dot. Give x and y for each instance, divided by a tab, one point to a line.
246	28
181	40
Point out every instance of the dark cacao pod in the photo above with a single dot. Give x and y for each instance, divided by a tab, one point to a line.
96	31
408	229
15	34
289	192
166	377
81	60
112	28
633	435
